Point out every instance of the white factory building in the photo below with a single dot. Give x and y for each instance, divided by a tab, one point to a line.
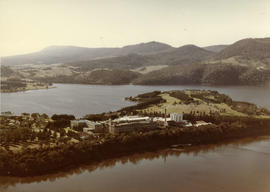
177	117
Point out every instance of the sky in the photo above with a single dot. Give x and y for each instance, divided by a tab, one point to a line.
31	25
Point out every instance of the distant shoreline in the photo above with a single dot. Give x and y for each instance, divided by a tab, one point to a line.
28	89
154	85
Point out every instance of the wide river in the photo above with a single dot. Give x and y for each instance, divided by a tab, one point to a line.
87	99
239	166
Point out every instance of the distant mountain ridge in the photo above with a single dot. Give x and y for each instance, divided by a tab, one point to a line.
154	52
187	54
245	62
63	54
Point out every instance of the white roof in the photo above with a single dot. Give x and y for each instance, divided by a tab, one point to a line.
86	121
132	118
161	119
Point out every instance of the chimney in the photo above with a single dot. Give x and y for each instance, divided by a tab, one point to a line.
165	123
110	125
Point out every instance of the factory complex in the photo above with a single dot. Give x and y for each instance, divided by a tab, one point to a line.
128	124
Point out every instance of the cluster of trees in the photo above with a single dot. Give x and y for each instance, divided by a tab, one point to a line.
23	132
46	160
12	84
145	100
59	122
249	108
107	77
216	97
102	116
148	95
17	135
207	96
181	95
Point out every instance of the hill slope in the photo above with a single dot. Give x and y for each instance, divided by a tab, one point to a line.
215	48
248	49
215	74
187	54
62	54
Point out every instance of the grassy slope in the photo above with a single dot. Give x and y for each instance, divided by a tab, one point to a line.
175	105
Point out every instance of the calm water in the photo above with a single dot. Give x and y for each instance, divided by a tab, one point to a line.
86	99
242	166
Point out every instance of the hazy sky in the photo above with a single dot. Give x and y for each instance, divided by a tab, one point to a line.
30	25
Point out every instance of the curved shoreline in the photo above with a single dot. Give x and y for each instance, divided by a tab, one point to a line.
52	152
134	159
89	154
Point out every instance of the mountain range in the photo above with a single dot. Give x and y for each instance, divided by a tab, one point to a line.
245	62
62	54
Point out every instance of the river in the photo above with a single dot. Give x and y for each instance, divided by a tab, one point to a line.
239	166
87	99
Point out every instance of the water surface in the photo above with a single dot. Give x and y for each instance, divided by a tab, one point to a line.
240	166
87	99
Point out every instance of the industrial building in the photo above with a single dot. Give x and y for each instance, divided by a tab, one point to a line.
129	127
131	119
177	117
128	124
87	126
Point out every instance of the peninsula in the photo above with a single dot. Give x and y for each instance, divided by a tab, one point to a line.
36	144
12	81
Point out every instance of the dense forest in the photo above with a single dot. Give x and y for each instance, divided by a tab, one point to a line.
205	74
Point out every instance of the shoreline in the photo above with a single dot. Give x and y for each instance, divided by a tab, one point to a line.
45	145
115	148
134	158
28	89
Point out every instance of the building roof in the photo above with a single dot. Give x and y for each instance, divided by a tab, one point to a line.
200	122
86	121
161	119
131	118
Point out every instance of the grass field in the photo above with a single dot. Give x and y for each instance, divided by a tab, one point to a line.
174	105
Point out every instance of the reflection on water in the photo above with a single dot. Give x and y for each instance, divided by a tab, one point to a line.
238	166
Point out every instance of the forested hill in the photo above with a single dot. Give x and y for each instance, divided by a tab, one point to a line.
203	74
258	49
188	54
245	62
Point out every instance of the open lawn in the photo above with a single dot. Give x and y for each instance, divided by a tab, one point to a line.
175	105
